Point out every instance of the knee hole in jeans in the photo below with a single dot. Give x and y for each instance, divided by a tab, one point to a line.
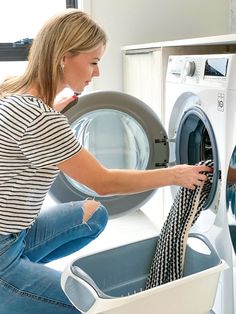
90	206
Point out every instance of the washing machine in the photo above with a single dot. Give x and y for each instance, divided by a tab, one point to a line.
123	132
200	111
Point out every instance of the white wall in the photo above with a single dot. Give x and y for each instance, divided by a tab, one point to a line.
130	22
232	16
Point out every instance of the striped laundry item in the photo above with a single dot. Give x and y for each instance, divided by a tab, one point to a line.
168	261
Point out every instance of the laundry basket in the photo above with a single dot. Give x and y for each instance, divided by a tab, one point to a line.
113	281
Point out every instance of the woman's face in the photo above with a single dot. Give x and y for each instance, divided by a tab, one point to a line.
79	70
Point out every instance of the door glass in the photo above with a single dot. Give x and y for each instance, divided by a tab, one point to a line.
115	138
183	103
194	143
231	197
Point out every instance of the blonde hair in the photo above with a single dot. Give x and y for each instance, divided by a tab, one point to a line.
71	31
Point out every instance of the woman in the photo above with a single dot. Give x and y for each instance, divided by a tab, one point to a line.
36	142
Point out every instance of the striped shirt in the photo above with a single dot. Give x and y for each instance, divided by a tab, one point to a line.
34	138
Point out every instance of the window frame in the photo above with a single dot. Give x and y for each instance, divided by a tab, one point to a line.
71	4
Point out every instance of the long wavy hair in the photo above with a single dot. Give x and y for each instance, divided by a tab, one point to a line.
70	31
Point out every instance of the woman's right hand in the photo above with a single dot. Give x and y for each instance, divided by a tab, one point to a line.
190	176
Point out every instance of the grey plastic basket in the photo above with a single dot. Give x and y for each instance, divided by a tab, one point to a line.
115	279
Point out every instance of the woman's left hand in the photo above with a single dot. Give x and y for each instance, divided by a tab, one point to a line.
62	102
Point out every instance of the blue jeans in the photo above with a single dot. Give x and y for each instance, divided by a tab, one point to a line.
27	285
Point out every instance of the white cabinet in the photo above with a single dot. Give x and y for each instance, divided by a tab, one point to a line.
142	77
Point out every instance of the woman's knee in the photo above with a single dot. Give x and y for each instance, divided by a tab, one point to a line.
89	207
95	213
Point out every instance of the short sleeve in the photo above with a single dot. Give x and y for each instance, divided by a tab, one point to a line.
49	140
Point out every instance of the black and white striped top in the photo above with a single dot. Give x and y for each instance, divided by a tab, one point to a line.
34	138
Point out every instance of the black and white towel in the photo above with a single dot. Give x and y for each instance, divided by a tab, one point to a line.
168	261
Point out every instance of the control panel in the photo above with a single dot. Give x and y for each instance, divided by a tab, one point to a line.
199	68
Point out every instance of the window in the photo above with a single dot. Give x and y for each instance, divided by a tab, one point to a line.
19	23
23	18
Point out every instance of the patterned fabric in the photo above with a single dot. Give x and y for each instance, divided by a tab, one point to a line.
168	261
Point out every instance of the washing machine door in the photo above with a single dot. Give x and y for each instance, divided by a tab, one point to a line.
231	198
195	142
122	132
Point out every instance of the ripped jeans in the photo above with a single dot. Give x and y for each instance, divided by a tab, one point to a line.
27	285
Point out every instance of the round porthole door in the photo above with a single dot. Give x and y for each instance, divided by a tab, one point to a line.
122	132
195	142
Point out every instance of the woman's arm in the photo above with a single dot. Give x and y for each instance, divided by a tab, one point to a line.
86	169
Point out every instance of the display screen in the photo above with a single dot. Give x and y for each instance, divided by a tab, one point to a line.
216	67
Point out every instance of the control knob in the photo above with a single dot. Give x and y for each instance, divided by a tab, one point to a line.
189	68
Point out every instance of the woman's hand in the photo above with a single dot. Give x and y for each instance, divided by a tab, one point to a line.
190	176
62	102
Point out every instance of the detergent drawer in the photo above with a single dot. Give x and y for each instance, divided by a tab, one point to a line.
113	281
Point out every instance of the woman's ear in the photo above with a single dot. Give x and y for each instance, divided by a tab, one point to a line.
62	62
